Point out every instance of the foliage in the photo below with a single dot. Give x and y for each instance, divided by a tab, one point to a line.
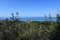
15	29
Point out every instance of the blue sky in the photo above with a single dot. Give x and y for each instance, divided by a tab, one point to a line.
29	8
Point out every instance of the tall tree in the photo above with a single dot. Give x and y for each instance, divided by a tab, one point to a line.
45	17
50	17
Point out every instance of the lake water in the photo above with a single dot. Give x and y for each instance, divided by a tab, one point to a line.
38	19
33	18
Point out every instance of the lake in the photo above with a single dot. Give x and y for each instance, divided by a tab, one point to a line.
32	18
38	19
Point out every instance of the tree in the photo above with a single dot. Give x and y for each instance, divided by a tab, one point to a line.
58	18
13	17
45	17
17	16
50	17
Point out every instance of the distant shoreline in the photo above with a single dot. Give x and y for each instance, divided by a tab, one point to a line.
32	18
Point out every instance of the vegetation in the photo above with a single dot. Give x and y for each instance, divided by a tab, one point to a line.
15	29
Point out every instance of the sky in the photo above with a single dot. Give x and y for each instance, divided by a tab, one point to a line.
29	8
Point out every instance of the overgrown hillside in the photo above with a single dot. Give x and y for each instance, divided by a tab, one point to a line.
15	29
